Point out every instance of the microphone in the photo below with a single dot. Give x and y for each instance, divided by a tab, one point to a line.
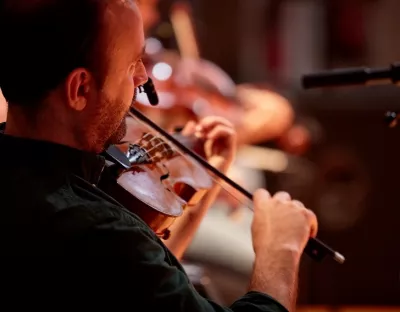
151	92
353	76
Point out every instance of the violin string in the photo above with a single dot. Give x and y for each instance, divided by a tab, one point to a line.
164	152
150	147
146	135
167	149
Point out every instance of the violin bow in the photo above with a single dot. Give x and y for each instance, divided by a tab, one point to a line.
315	248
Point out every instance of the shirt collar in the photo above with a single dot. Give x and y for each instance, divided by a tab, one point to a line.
52	156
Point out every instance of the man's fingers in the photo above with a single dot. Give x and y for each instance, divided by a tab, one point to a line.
312	221
298	203
210	122
220	131
282	196
189	128
260	197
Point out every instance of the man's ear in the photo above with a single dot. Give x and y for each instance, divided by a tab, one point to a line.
78	85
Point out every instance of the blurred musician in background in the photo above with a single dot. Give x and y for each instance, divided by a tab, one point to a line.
259	114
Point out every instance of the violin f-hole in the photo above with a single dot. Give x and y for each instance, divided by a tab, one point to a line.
164	177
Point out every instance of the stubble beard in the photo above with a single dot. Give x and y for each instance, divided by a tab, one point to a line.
118	135
121	131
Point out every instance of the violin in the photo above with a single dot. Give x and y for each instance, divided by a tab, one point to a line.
157	182
149	178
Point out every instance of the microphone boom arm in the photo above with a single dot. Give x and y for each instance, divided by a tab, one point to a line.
352	77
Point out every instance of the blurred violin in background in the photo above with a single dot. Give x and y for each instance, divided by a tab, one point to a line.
191	88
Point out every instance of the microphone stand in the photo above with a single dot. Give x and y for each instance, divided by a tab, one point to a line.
357	76
353	77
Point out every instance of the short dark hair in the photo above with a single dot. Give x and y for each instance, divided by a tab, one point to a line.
42	41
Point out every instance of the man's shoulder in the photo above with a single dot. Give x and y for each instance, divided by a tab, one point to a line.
61	205
90	226
86	214
78	209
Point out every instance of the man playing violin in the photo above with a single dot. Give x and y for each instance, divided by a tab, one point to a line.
69	72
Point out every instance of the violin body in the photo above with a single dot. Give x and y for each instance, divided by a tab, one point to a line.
158	217
158	185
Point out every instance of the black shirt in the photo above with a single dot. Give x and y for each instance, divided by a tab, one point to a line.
65	243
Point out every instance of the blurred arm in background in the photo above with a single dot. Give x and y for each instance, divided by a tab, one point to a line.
267	115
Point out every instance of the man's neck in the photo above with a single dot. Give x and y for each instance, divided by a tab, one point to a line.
38	127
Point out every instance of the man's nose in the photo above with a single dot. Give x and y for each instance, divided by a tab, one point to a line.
141	77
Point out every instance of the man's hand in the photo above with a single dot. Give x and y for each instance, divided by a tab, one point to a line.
281	228
281	224
220	148
220	140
